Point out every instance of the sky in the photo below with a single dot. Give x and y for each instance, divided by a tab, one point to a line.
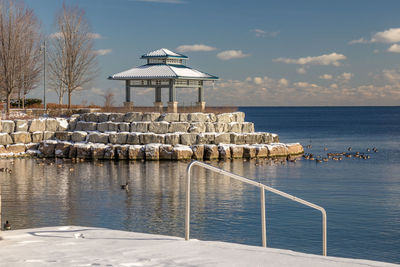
266	53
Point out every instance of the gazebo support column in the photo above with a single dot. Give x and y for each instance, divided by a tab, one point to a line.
201	104
172	104
158	105
128	103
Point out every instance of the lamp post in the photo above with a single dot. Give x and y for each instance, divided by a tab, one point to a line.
43	50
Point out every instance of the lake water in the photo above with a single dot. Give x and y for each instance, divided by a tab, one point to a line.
361	197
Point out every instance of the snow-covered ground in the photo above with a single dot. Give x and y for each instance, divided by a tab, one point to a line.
87	246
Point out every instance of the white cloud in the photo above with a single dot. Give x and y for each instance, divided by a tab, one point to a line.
163	1
194	48
344	77
262	33
326	77
258	80
231	54
301	70
283	82
325	60
95	35
334	86
392	76
359	41
102	52
389	36
59	35
305	85
395	48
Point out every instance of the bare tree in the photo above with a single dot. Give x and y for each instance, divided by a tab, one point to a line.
72	60
19	43
108	100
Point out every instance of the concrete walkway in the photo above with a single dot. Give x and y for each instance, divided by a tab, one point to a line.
87	246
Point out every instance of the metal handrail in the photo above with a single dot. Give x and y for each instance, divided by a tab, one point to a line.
262	199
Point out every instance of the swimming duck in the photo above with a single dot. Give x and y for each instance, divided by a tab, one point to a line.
349	149
7	226
124	186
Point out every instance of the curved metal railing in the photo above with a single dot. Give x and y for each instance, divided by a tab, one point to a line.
262	199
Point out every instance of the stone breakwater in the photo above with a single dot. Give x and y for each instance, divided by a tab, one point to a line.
141	136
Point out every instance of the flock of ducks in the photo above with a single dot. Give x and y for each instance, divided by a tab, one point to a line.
338	156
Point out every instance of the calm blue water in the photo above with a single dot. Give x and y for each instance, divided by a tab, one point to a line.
361	197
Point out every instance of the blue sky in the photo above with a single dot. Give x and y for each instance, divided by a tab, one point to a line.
266	53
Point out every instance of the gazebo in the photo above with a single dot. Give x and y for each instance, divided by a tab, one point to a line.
164	69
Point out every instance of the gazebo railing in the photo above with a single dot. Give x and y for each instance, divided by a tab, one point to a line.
262	199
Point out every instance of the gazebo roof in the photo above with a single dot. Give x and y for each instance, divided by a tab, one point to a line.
163	53
162	71
165	67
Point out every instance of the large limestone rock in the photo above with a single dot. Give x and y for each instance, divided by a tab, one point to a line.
109	152
181	152
234	127
123	127
133	139
47	148
237	151
7	126
172	138
183	117
5	139
212	117
113	126
178	127
37	125
239	116
150	116
197	117
277	150
98	151
62	149
21	125
47	135
254	138
72	124
209	127
133	116
84	151
140	127
188	139
222	138
211	152
169	117
238	139
103	127
206	138
225	117
122	151
78	136
118	138
103	117
295	149
136	152
220	127
224	152
152	151
247	127
198	152
63	136
21	137
275	138
37	137
51	125
261	151
117	117
98	138
267	138
62	124
197	127
249	151
166	152
150	138
16	148
86	126
93	117
159	127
